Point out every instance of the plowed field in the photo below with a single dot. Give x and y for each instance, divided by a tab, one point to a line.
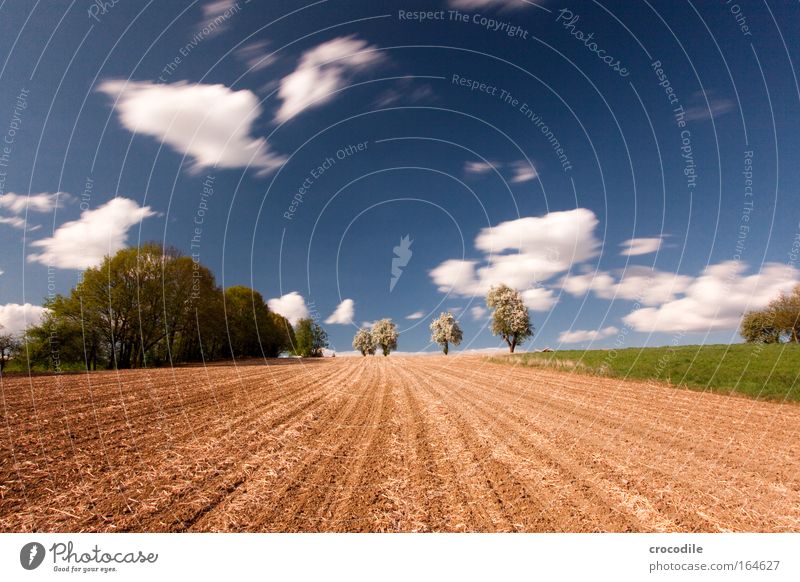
389	444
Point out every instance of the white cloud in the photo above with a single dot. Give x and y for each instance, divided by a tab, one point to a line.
640	246
586	335
292	306
540	246
83	243
539	298
713	109
416	315
43	202
405	92
478	168
209	123
321	72
523	172
644	284
478	312
19	203
716	299
501	4
256	56
15	318
343	314
217	15
13	221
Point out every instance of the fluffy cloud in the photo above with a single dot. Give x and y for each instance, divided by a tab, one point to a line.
321	72
15	318
83	243
640	246
209	123
292	306
343	314
523	172
416	315
644	284
538	298
716	299
540	247
586	335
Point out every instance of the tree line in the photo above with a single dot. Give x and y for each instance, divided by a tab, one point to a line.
149	306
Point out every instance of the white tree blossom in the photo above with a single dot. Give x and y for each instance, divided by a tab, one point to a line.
385	335
364	342
446	331
510	318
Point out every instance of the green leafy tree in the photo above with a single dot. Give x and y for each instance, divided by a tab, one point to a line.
9	347
364	342
285	333
252	329
445	331
786	312
510	319
385	335
310	338
760	327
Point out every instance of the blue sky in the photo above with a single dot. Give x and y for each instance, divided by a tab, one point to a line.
629	167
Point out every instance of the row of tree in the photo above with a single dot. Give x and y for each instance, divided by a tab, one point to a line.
778	322
149	306
510	320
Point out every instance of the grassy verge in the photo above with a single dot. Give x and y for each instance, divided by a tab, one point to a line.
768	372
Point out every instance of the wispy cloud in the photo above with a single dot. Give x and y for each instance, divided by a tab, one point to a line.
640	246
479	168
702	111
322	71
498	4
17	204
256	56
586	335
416	315
523	171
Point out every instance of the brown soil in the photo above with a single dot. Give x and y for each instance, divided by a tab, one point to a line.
389	444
